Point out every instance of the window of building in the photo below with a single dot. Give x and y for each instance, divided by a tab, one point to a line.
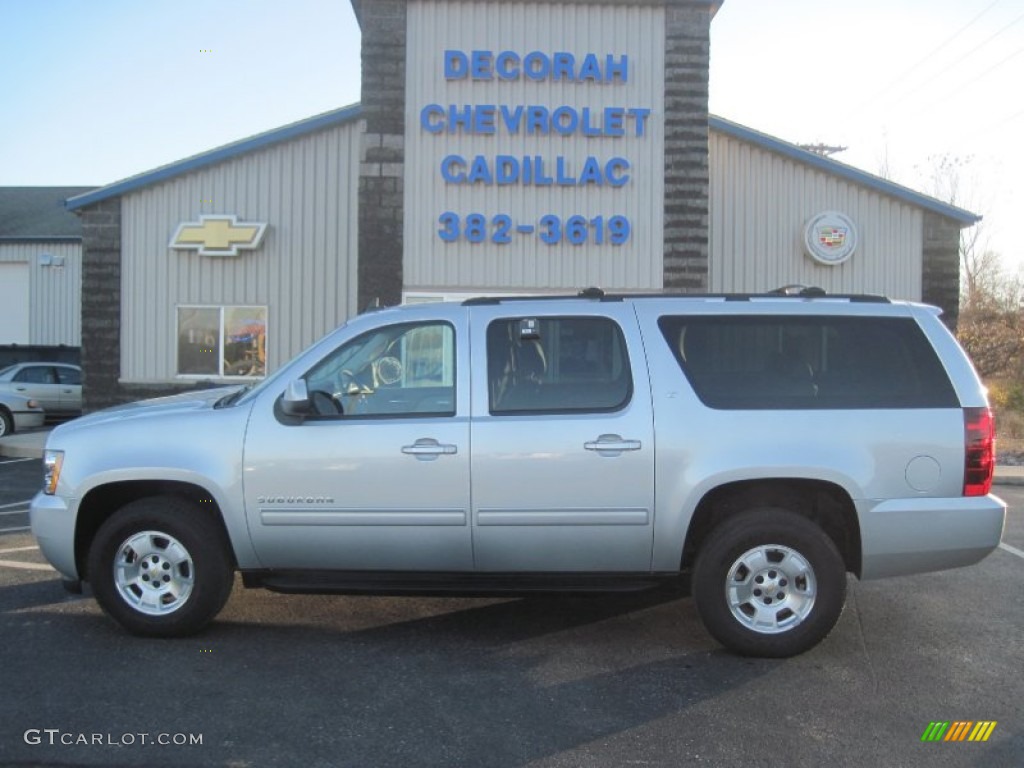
808	362
557	365
222	341
405	370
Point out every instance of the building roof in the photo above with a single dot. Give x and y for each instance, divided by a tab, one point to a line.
219	155
828	165
38	213
353	112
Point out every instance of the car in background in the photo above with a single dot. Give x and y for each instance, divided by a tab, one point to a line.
56	386
17	413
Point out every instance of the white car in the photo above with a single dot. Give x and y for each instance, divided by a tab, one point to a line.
56	386
17	413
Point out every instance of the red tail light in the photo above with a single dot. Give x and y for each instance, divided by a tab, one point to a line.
979	451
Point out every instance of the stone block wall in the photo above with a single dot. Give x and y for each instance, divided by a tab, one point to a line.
940	268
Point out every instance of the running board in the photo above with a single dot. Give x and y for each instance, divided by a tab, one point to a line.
449	584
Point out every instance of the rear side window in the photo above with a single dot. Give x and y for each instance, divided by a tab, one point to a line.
557	365
737	363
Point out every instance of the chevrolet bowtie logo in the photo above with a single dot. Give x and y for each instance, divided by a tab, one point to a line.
218	235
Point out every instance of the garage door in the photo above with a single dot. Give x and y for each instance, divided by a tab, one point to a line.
14	303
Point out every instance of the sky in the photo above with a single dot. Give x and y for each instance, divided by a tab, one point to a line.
94	91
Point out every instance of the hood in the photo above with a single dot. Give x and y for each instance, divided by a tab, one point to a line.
161	406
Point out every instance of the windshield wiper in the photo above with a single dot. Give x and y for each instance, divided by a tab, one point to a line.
230	399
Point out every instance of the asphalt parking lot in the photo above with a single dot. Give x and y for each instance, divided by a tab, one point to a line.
556	681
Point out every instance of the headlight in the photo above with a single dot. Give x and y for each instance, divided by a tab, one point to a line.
52	463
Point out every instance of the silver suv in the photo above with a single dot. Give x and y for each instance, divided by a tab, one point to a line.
763	446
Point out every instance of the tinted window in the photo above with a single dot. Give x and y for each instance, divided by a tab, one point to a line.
36	374
557	365
808	362
69	375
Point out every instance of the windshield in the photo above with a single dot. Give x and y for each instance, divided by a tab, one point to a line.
6	372
245	395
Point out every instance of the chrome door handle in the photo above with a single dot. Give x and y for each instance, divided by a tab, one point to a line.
612	444
428	448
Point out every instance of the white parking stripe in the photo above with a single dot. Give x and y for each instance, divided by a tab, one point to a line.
14	512
15	461
1011	550
24	503
16	549
24	566
12	530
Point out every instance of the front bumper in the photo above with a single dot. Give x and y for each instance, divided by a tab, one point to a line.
905	536
28	420
53	524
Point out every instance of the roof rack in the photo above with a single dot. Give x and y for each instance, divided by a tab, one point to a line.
795	292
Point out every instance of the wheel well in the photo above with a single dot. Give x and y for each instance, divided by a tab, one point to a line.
825	504
100	503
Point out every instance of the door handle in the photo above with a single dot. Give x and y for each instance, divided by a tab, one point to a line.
429	449
612	444
20	389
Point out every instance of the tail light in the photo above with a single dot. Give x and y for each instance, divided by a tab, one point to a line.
979	451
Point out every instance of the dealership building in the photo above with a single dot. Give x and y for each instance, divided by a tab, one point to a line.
499	147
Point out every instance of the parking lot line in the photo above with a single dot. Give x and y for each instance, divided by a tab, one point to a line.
12	530
15	461
14	512
24	566
24	503
16	549
1011	550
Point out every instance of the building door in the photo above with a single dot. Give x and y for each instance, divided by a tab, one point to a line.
14	296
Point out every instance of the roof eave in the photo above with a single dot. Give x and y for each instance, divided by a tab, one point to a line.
963	217
219	155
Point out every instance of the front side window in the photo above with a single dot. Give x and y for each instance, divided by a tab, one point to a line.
557	365
395	371
222	341
751	363
36	374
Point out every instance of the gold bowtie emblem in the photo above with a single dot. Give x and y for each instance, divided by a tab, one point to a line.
218	235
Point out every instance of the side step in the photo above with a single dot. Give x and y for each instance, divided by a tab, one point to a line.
449	584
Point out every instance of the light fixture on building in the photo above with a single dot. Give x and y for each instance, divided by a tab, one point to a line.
49	260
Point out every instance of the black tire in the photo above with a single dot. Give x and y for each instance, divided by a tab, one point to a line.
178	542
6	423
731	602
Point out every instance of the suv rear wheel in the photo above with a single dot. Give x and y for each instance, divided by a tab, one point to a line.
160	567
769	582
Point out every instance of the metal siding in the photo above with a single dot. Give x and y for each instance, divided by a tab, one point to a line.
526	262
55	293
303	272
760	202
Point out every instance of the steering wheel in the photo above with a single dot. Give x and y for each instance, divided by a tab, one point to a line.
324	403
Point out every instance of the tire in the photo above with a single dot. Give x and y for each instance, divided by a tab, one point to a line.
161	567
6	423
769	549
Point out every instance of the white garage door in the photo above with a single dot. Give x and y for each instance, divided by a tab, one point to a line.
14	303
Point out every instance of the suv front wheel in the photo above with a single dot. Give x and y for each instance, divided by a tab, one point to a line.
769	582
160	567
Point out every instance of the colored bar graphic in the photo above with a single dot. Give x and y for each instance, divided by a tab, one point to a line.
959	730
982	730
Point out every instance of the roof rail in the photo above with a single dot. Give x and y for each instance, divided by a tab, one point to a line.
794	292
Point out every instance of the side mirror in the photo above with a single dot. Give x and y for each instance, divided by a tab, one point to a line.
295	401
